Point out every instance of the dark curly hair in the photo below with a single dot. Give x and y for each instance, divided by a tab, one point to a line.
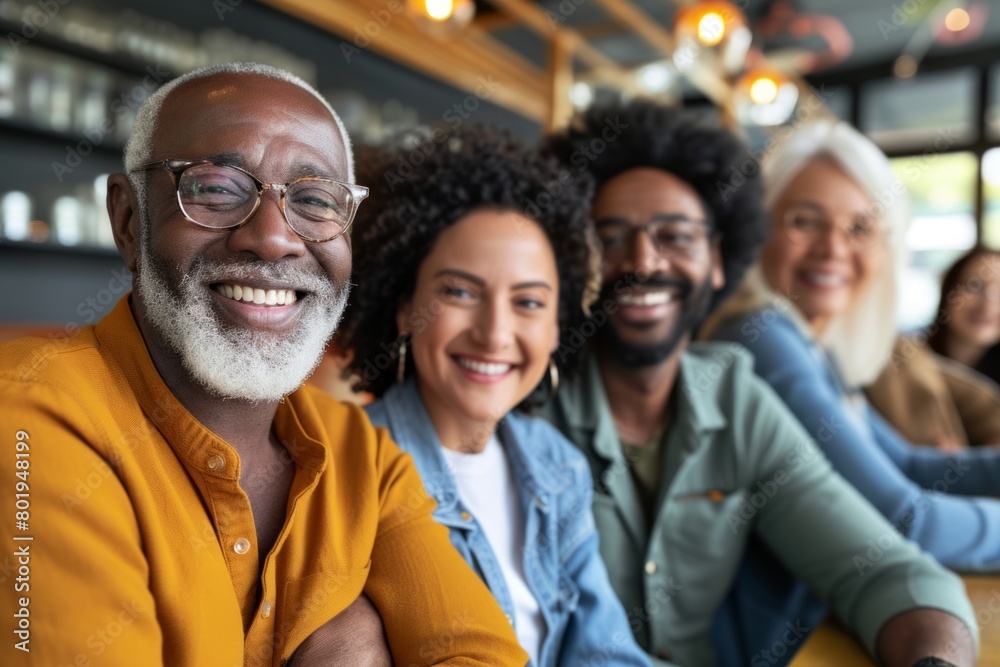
608	140
418	190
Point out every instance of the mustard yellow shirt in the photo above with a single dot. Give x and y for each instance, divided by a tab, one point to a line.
138	546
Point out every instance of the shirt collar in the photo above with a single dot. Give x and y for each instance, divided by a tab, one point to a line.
411	427
586	404
127	355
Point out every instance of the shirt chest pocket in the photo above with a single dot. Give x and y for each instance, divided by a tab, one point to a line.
706	528
703	539
563	598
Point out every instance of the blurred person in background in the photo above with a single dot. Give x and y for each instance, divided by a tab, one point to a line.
933	390
471	271
693	457
969	313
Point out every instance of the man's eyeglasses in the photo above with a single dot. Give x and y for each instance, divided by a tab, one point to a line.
223	196
804	225
671	235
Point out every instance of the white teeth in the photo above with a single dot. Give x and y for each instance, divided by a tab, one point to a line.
483	368
645	299
271	297
826	279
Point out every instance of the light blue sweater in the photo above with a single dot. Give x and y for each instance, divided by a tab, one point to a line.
919	489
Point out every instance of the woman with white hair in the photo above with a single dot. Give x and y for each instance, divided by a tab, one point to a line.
818	312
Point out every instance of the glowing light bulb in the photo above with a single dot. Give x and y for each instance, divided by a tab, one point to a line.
957	20
711	28
439	10
763	91
581	95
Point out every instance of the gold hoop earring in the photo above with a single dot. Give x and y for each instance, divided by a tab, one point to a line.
553	375
404	339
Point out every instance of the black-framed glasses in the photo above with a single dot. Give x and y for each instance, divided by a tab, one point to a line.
672	235
216	195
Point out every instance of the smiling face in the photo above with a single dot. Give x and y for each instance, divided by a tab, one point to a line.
483	319
247	310
824	250
974	307
660	293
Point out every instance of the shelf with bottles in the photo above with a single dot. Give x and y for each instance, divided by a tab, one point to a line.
72	218
52	95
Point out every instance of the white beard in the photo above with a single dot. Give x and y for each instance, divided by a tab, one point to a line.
238	363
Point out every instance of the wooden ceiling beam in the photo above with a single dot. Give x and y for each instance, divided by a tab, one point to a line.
463	63
496	21
602	30
534	17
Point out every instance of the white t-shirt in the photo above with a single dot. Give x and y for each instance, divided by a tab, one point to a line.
486	486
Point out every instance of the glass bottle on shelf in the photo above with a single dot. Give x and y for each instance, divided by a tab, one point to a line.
8	81
15	215
61	97
66	220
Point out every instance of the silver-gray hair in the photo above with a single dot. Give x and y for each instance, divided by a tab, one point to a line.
862	336
139	147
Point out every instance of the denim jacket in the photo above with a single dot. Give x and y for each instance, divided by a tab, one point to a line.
584	621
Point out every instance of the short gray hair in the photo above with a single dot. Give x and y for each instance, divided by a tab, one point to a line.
139	147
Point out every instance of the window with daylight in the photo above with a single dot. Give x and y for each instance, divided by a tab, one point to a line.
942	191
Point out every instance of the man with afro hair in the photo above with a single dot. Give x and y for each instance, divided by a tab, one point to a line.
691	454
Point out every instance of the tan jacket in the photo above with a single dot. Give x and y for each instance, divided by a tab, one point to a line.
935	401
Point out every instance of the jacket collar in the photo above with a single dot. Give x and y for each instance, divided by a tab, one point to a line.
412	429
126	350
587	413
587	409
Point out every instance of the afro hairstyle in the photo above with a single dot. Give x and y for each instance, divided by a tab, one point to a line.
608	140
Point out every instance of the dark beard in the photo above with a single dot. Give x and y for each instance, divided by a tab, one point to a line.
697	300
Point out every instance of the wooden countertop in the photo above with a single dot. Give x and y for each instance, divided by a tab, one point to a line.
832	646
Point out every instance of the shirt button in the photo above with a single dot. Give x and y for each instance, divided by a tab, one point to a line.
241	546
650	567
265	611
216	463
509	619
466	516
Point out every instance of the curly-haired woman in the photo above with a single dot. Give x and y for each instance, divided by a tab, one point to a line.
474	267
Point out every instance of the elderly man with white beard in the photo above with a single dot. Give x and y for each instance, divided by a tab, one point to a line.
173	494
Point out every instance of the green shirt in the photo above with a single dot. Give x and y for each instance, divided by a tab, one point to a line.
744	465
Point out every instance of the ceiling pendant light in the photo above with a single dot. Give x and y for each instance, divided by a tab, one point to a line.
441	18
